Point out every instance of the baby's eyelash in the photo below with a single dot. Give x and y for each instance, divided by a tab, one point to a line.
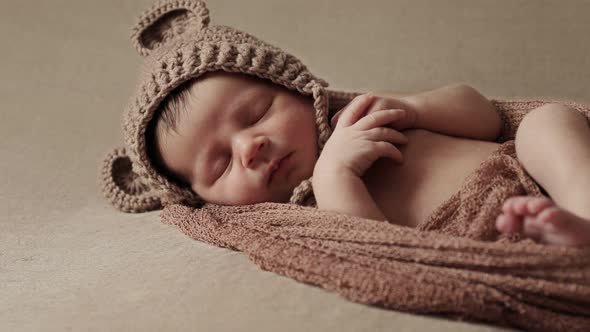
229	160
227	165
220	171
259	117
264	112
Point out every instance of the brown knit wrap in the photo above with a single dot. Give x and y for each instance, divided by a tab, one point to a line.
178	43
454	264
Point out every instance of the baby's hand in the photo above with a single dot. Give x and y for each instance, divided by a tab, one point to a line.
359	140
406	120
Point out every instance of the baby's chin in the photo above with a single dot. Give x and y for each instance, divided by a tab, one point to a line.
283	198
282	194
276	195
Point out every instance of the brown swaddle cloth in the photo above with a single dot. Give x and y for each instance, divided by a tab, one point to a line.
454	264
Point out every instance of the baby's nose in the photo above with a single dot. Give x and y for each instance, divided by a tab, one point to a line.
252	151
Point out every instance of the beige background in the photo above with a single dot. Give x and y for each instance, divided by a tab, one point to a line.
68	261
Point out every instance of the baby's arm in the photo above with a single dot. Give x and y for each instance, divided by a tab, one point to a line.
346	194
456	110
357	141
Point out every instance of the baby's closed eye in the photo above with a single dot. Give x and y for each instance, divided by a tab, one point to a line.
257	115
261	112
221	167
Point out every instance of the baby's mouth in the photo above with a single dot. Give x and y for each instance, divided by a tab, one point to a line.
277	166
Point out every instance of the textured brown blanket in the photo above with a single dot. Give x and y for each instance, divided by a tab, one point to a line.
454	264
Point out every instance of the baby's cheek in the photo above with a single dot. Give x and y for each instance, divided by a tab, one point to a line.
284	125
241	191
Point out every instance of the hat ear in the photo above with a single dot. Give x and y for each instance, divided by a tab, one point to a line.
124	189
166	20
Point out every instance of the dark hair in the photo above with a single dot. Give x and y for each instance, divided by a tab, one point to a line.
164	121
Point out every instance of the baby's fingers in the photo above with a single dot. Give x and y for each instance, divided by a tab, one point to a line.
388	150
353	111
385	140
385	134
379	119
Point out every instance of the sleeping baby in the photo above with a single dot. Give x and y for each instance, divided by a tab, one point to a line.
221	116
390	159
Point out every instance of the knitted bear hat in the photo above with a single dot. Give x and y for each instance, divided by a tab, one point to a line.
178	44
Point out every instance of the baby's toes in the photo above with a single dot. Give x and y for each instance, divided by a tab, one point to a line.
515	205
538	204
559	226
509	223
526	205
532	227
554	219
549	222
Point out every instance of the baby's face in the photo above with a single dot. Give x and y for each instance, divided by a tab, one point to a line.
235	130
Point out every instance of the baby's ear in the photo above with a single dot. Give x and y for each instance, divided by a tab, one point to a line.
167	20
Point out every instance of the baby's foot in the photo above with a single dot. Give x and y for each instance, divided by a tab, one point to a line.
541	219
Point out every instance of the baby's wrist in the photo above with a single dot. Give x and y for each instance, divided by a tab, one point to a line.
327	177
414	105
329	171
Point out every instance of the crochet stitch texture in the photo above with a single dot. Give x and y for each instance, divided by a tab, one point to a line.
178	43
